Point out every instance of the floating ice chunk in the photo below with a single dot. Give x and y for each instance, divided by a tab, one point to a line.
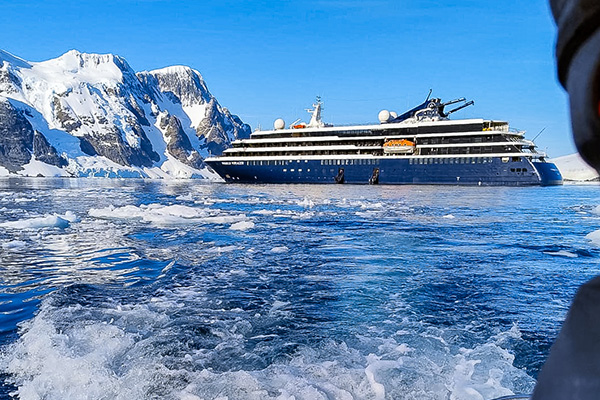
189	396
404	349
596	210
279	308
14	244
163	214
175	211
264	212
242	226
306	202
594	237
112	212
224	249
225	219
561	253
71	217
279	250
50	221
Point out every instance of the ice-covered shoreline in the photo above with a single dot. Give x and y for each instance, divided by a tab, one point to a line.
574	170
572	167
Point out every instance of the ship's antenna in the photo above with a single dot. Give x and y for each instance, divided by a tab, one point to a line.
538	135
429	95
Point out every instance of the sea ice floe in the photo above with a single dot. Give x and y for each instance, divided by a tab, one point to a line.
48	221
279	250
306	202
594	237
161	214
242	226
14	244
224	249
264	212
187	197
561	253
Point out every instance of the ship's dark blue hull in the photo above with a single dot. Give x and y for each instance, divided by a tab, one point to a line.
517	171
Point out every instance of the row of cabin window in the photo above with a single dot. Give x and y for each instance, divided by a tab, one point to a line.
363	143
461	160
323	162
276	162
308	153
469	150
303	133
412	161
351	162
460	139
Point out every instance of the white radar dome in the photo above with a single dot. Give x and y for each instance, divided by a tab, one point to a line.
384	116
394	114
279	124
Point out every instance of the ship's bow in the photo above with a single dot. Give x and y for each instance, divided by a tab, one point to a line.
549	174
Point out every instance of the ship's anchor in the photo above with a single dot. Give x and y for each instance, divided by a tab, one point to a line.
340	176
374	180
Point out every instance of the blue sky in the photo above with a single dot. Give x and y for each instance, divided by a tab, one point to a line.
269	59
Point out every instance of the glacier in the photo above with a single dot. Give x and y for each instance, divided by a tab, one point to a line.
92	115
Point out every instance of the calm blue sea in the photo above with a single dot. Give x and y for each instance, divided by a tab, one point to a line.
131	289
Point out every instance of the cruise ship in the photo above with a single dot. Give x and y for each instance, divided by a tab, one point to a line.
421	146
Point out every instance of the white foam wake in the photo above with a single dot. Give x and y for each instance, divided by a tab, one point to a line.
128	352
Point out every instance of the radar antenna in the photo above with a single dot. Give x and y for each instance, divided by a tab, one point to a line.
315	120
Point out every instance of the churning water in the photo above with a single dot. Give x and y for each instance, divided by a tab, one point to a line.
132	289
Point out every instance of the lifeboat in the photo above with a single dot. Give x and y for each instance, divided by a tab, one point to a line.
299	126
401	146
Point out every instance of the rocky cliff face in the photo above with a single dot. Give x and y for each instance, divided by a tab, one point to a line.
214	125
16	138
105	118
19	142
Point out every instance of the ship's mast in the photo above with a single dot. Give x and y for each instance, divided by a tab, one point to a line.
315	120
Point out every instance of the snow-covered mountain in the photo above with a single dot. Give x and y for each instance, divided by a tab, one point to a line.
92	115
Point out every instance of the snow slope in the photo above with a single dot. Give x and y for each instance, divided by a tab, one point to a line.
573	168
